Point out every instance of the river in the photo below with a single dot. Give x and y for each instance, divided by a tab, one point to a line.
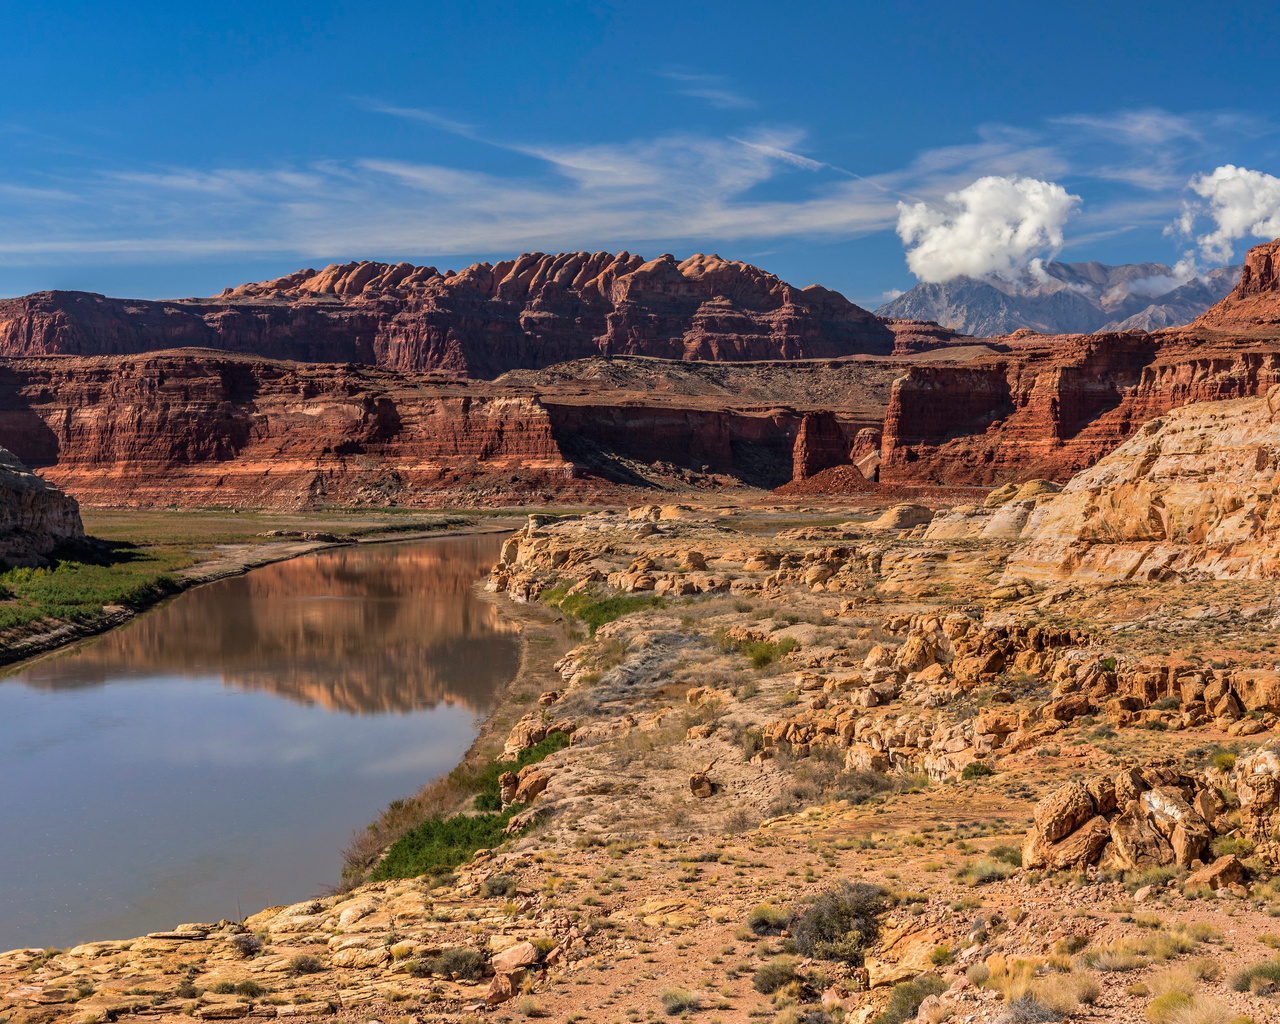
212	757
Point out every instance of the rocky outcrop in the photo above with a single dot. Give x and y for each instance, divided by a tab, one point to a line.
35	517
1255	302
1155	816
820	444
1191	495
529	312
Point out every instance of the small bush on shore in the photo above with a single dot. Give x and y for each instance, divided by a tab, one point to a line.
593	610
441	843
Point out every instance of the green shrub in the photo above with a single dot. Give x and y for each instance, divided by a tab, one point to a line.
499	885
1225	760
593	610
840	923
305	964
986	870
905	999
462	961
1238	845
773	975
766	919
764	652
490	796
678	1000
441	843
941	955
1245	980
976	770
438	844
1006	854
247	944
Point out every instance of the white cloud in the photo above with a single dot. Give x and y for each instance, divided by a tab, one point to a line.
993	226
986	207
1240	201
714	90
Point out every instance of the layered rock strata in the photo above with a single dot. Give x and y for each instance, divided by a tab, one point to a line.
35	517
198	427
1191	495
529	312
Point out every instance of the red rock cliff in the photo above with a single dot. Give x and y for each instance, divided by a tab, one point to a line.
524	313
192	428
1051	406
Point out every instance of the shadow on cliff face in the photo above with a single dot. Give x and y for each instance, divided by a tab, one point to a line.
24	432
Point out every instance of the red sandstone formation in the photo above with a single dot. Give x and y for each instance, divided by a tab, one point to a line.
201	427
1051	406
1256	300
35	517
530	312
211	428
820	444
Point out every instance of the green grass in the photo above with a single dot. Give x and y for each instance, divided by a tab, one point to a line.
442	843
490	796
74	589
594	611
761	652
438	843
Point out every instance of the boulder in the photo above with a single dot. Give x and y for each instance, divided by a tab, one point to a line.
1224	871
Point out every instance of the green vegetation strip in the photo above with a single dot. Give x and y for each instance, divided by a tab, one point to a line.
71	589
593	610
442	843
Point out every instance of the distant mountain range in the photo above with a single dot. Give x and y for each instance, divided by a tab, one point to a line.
1066	298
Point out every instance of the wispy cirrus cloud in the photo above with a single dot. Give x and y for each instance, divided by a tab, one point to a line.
714	90
752	185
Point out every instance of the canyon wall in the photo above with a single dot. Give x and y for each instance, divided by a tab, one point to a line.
530	312
192	428
1051	410
1050	406
178	428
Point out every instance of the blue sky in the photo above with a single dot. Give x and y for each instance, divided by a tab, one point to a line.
152	149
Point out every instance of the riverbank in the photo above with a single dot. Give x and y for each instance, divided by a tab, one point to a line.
544	637
807	760
185	550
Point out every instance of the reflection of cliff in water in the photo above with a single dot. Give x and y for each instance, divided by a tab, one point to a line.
387	627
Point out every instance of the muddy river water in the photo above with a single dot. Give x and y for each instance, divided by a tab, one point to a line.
213	757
